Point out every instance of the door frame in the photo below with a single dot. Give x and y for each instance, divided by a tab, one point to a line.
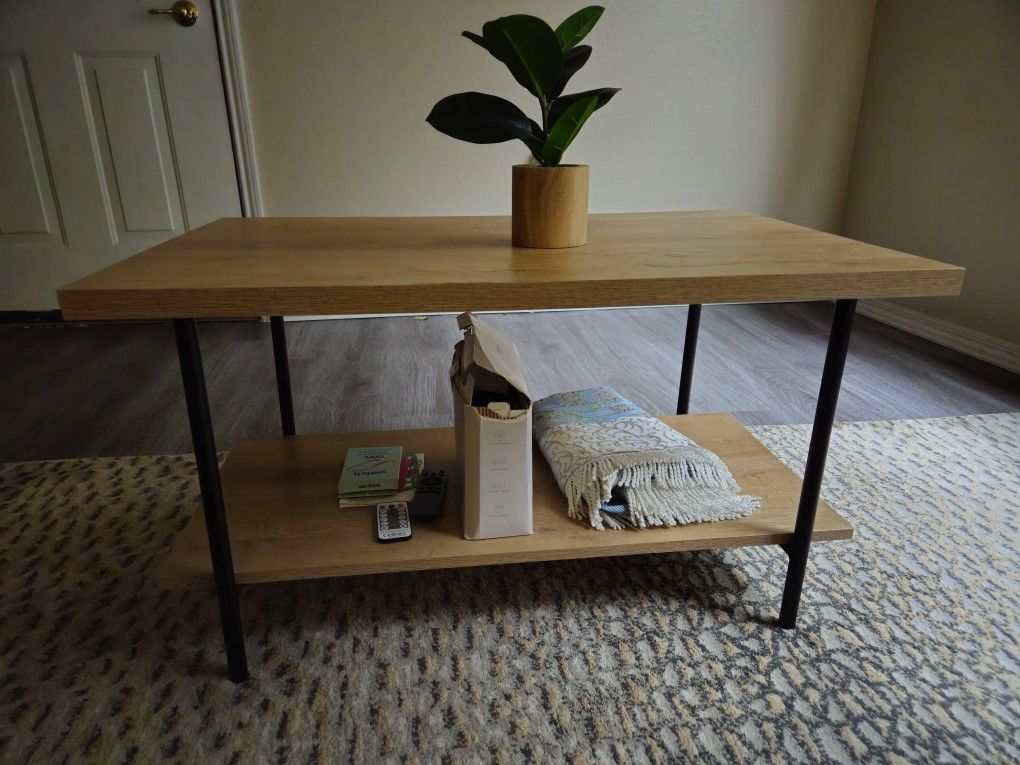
235	92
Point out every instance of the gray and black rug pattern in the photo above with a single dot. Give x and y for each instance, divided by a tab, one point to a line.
907	649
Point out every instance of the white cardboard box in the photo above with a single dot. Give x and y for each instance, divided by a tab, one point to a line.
492	415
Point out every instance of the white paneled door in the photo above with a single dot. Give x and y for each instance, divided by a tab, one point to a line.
113	137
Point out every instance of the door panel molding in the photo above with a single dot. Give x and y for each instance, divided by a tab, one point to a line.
29	210
132	142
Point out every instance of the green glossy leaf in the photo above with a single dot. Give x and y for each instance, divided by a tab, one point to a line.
481	118
566	128
572	62
577	26
561	104
529	48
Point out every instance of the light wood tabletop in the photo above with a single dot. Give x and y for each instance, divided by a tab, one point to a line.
302	266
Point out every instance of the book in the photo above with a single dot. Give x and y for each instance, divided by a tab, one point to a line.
411	467
371	470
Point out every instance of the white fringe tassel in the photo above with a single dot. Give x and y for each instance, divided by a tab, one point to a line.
658	493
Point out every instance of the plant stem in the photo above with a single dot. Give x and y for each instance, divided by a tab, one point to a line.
544	104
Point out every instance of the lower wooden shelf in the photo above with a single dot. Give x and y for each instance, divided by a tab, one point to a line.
284	523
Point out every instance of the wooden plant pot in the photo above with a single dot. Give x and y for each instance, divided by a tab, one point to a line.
550	206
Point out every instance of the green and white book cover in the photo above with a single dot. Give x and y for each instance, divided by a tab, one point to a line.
410	473
371	469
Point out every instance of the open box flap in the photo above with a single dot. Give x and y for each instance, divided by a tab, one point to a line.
488	350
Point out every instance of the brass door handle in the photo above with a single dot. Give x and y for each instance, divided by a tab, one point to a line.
184	12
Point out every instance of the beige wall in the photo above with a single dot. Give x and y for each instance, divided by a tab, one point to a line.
937	163
749	105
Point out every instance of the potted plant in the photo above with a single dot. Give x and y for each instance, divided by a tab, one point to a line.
550	200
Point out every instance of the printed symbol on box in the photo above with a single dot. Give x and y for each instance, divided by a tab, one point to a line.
499	462
501	435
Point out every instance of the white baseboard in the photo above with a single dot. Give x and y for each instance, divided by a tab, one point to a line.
1001	353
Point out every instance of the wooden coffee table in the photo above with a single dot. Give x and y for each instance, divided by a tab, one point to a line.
278	495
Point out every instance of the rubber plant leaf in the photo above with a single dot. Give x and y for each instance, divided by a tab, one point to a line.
561	104
572	62
529	48
577	26
476	39
481	118
566	128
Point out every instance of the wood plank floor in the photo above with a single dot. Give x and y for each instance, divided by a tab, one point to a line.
114	389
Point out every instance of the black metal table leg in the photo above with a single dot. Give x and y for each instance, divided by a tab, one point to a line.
186	332
818	450
282	375
683	403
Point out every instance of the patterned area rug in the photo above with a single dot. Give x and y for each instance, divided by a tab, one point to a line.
907	651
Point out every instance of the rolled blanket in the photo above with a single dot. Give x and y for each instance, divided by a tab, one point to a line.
619	466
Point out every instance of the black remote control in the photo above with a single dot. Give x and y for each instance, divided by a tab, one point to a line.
391	522
428	497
